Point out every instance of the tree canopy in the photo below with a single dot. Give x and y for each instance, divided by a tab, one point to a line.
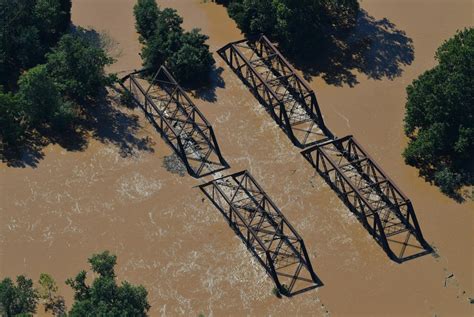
103	297
41	99
146	13
19	299
78	67
165	42
28	29
49	71
439	117
12	120
298	26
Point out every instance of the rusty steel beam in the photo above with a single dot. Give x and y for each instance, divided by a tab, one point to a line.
178	120
265	231
372	196
276	84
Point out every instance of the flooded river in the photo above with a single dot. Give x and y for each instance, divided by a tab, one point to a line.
116	195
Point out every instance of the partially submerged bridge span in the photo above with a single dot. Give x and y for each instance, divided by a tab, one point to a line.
382	208
265	231
178	120
377	202
275	83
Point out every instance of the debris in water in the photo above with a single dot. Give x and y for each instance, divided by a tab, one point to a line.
173	164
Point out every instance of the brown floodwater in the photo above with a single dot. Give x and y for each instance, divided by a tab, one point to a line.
116	195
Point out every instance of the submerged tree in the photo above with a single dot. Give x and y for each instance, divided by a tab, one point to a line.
439	118
47	292
104	297
186	54
19	299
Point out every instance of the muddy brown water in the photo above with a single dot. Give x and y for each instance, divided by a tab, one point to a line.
116	195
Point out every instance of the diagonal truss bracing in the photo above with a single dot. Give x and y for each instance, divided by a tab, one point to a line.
264	229
179	121
378	203
287	97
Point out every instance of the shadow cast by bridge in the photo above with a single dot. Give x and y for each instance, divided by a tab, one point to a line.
101	120
375	48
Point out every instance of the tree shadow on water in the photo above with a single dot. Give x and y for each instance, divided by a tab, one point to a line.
103	121
208	91
374	47
110	125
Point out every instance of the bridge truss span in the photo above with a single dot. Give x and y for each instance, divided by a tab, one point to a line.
377	202
265	231
276	84
178	120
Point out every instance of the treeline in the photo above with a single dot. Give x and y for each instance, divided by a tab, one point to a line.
49	70
103	297
185	54
300	27
439	117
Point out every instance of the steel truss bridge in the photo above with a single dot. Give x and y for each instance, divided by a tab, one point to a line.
178	120
275	83
360	183
376	201
250	212
265	231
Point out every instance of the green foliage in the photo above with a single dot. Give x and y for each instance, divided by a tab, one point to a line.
42	101
48	286
19	299
299	26
20	48
186	54
193	59
46	74
439	117
78	68
47	291
276	292
447	180
146	13
12	120
103	264
28	29
104	297
52	19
